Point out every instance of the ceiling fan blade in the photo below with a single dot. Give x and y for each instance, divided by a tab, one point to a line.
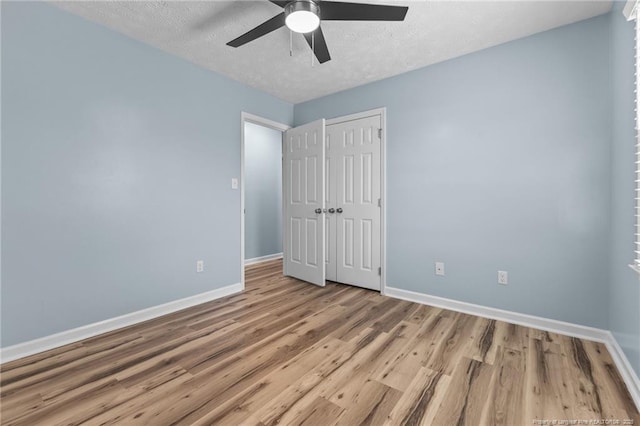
262	29
319	45
280	2
342	11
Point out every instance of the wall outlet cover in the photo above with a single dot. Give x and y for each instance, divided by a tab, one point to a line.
503	277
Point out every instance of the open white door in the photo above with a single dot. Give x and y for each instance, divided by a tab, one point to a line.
304	187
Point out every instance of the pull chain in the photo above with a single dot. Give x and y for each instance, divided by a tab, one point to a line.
290	43
313	46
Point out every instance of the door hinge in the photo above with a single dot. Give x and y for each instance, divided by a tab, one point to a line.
379	271
379	133
379	202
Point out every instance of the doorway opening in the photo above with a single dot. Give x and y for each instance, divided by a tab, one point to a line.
261	190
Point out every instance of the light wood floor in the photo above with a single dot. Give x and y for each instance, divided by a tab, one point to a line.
286	352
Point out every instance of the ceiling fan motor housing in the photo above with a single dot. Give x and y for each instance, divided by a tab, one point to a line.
302	16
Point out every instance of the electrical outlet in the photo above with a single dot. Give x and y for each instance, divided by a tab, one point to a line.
440	268
200	266
503	277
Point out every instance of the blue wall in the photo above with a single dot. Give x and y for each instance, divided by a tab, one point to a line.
262	191
117	160
624	301
500	160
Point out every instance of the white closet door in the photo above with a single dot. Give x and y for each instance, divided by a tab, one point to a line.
355	152
304	188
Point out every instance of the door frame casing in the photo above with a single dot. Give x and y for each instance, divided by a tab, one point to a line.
246	117
382	112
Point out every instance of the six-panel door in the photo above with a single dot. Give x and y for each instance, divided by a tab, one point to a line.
353	189
304	227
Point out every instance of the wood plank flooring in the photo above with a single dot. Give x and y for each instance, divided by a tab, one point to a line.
286	352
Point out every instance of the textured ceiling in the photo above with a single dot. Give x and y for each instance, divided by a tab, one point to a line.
361	52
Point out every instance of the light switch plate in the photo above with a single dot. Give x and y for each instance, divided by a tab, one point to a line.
440	268
234	183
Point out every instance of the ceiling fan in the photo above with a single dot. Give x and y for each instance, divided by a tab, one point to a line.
304	16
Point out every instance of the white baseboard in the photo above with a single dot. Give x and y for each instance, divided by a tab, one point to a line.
555	326
624	368
561	327
263	259
42	344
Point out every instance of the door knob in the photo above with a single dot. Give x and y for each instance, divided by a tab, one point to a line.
339	210
318	211
332	210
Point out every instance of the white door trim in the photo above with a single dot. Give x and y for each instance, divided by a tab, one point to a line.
246	117
382	112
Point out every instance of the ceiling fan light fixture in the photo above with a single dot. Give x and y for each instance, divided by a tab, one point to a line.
302	16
